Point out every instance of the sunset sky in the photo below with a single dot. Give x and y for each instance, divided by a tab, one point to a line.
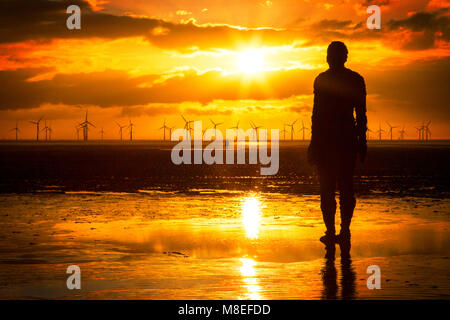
231	60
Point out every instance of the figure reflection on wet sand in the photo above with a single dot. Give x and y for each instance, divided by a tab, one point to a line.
329	274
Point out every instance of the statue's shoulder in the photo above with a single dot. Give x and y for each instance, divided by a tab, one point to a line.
355	75
321	77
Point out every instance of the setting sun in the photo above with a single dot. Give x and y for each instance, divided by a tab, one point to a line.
251	61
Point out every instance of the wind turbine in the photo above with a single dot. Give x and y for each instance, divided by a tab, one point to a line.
50	130
303	128
45	128
16	128
402	133
255	127
78	128
102	132
427	131
237	126
85	125
215	127
419	131
130	126
390	128
187	125
368	134
284	132
292	129
379	132
164	127
37	127
120	129
170	131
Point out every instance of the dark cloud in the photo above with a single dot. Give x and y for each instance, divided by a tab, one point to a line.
46	19
22	20
420	31
116	88
100	88
426	28
325	31
421	88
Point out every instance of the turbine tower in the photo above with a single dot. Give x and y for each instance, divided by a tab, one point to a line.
187	125
204	130
164	127
368	133
16	129
303	128
120	130
78	128
85	126
255	127
402	133
215	127
284	132
50	130
45	128
102	132
427	131
130	126
292	129
419	132
236	127
390	129
37	127
379	132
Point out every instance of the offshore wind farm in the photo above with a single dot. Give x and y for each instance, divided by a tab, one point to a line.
297	131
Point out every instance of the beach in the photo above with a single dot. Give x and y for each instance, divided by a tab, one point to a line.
214	233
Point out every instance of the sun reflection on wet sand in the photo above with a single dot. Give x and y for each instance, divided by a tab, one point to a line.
249	276
227	245
251	216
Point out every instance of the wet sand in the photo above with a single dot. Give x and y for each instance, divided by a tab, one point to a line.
218	244
140	227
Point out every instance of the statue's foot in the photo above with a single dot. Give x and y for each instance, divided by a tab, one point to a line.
328	239
344	239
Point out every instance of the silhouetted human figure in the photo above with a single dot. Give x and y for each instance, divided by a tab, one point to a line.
336	138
